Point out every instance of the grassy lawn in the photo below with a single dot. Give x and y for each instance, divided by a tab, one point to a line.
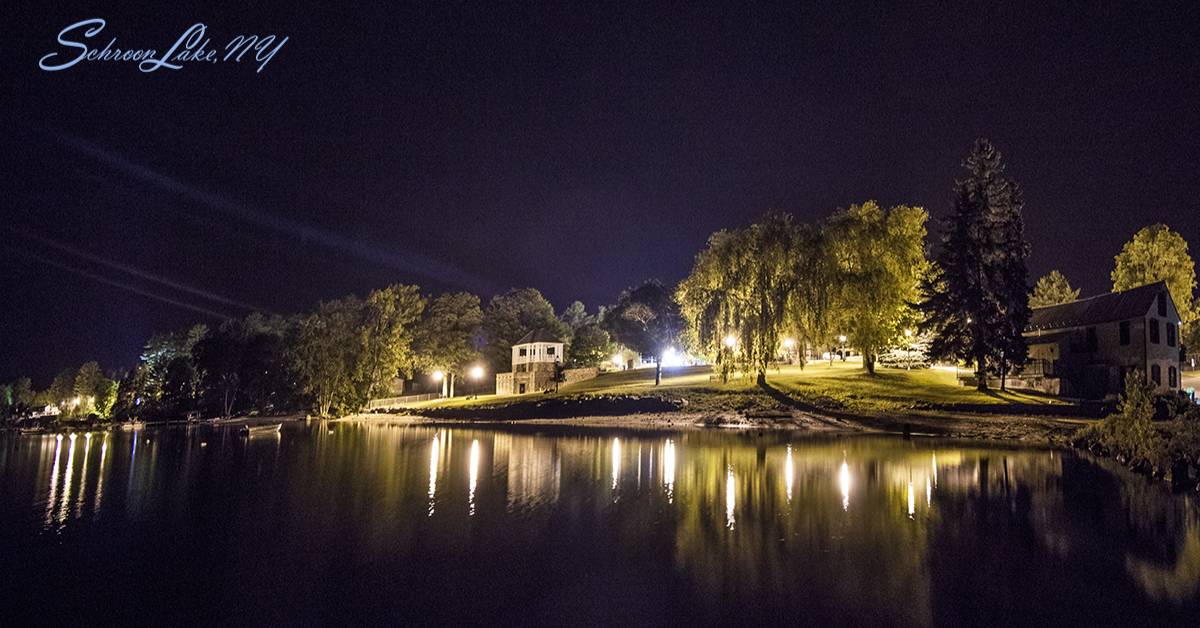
840	385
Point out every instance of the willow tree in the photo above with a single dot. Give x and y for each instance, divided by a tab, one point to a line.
736	299
880	259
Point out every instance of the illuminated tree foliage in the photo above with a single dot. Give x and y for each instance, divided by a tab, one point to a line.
1156	253
880	259
735	300
446	335
976	298
1052	289
350	350
857	273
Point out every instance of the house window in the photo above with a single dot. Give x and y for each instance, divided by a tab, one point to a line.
1156	374
1170	335
1124	332
1091	339
524	352
1172	376
1154	331
1162	304
549	350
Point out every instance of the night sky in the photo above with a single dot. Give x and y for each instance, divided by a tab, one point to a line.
578	149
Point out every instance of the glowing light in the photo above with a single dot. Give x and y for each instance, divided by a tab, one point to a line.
437	376
473	473
908	333
842	339
434	452
731	341
616	462
788	343
476	372
100	480
934	469
87	438
617	360
928	493
912	502
668	465
53	497
730	498
789	473
67	473
844	484
671	357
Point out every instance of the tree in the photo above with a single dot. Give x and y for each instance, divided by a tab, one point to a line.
349	350
62	390
647	320
576	316
590	345
323	353
94	391
1052	289
387	326
22	393
976	301
1158	254
220	359
510	316
736	298
881	259
445	337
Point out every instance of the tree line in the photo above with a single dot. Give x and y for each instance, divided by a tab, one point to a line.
864	273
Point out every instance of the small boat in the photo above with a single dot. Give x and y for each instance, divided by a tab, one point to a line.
130	426
256	430
31	430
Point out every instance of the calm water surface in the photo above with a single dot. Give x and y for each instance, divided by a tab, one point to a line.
330	524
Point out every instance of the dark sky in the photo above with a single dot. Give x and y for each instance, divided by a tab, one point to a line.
574	148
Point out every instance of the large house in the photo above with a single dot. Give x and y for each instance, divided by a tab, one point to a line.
1084	348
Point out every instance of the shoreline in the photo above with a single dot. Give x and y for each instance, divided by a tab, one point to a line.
1053	431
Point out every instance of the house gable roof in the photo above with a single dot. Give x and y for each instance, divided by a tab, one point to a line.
537	335
1114	306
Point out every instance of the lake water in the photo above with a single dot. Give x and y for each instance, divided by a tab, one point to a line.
340	523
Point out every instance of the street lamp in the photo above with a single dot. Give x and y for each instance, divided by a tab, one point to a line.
788	345
439	376
618	361
476	374
730	341
842	346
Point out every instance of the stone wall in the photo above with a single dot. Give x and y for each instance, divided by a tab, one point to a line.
578	375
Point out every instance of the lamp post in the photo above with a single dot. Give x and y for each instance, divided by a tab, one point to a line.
842	347
789	345
439	376
477	375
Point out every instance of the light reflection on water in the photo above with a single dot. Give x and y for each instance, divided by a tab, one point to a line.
729	519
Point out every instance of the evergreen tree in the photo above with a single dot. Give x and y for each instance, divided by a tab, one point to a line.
1053	289
977	300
